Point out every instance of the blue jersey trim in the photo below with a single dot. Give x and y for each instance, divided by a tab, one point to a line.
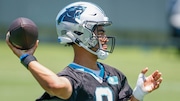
87	70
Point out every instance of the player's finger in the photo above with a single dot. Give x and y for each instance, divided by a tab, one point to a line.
36	45
7	39
32	50
158	82
8	42
155	74
16	51
156	86
144	70
158	75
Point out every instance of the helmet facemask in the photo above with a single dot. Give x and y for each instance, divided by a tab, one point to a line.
94	43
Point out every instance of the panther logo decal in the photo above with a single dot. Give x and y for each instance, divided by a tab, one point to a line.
71	13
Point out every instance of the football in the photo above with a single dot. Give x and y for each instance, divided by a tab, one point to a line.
23	33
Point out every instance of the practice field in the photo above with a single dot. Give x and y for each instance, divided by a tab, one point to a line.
17	83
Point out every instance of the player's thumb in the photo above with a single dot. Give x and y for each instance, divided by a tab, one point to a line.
144	70
33	49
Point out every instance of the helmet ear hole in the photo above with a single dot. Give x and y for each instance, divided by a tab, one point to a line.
63	32
92	42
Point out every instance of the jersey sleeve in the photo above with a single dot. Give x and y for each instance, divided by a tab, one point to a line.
75	80
125	92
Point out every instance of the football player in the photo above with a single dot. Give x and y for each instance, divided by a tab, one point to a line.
81	25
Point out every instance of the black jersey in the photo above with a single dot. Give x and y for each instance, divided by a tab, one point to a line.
108	85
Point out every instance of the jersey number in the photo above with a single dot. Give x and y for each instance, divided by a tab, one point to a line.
103	91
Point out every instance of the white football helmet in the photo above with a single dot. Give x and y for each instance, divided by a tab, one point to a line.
76	22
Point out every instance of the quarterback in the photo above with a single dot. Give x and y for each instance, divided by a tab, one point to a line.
81	25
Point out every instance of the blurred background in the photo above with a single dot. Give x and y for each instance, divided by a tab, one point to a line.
146	31
136	22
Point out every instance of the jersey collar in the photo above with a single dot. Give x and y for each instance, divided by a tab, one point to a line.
89	71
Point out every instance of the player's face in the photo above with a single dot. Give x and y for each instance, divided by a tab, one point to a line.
100	33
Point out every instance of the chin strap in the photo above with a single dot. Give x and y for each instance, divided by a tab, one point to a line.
102	54
99	53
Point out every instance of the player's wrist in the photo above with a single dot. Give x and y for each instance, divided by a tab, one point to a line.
139	91
23	56
26	59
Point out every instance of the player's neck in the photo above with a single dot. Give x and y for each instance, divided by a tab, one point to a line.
86	62
86	59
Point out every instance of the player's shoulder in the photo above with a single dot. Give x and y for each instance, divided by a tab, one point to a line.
67	71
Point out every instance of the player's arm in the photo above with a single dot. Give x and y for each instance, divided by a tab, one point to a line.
54	85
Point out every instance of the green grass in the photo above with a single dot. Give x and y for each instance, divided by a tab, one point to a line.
17	83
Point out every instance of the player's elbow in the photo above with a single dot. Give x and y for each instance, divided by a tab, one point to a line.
60	90
52	88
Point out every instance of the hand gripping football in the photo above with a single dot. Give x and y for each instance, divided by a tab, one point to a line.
23	33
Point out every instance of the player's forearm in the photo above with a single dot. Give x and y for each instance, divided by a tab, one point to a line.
54	85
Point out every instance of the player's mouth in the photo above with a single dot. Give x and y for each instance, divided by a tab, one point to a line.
104	46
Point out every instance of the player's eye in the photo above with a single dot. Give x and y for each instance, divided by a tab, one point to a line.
101	36
101	33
